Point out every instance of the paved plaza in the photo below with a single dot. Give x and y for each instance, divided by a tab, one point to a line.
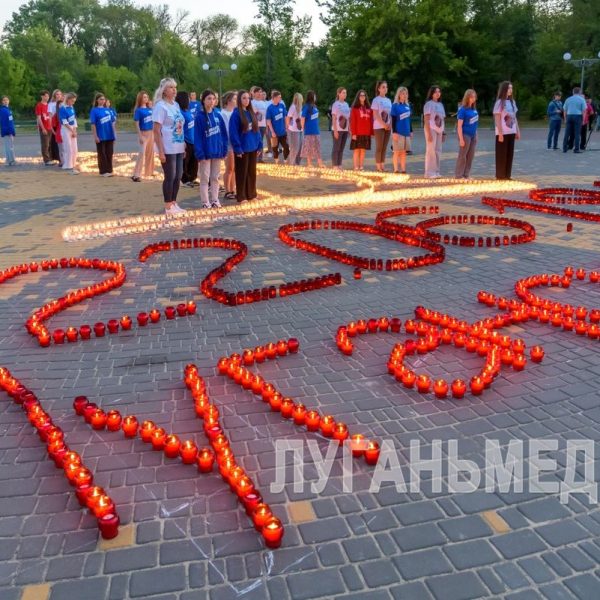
183	534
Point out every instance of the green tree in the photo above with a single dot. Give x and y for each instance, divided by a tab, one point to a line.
15	81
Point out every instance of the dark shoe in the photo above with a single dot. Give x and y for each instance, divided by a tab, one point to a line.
136	179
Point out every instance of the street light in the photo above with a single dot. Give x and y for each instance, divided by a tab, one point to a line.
581	62
220	72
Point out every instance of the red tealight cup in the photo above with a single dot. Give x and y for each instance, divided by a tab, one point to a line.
459	387
372	452
130	426
172	446
191	307
108	525
154	315
58	335
181	310
261	513
72	334
272	532
85	331
188	452
327	425
205	460
79	404
312	420
142	319
99	329
146	430
440	388
113	420
125	322
169	312
158	439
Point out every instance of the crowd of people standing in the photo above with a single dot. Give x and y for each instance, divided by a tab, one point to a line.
195	138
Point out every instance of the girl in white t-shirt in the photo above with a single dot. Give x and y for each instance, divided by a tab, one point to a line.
170	142
294	128
507	129
382	123
434	117
340	121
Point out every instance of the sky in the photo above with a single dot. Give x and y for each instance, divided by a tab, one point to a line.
243	10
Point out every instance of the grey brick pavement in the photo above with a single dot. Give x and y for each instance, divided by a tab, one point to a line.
191	540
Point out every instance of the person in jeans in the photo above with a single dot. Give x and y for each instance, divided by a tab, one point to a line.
210	146
506	129
382	123
340	123
573	109
276	116
554	112
44	125
170	142
466	128
102	121
246	140
434	116
7	131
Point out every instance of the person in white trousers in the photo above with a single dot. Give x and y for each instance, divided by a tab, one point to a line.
68	131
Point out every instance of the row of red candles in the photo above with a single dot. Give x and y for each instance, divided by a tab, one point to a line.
208	285
563	195
529	234
441	329
407	237
78	475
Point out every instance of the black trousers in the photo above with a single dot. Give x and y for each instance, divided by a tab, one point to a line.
504	156
105	156
245	176
281	141
54	152
190	164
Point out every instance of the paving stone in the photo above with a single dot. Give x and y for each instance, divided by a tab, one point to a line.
518	543
418	536
330	583
131	559
459	586
537	570
420	564
360	549
157	581
564	532
468	555
465	528
93	588
583	586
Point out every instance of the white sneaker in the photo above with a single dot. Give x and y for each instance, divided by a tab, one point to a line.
74	172
171	211
178	208
206	206
216	204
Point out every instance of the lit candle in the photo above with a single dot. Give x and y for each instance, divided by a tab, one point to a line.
206	460
82	476
172	446
146	431
272	532
372	452
93	494
519	362
72	334
125	322
459	387
312	420
113	420
340	432
188	452
476	385
299	414
88	411
408	379
423	384
537	354
260	515
327	425
287	408
282	347
130	426
191	307
440	388
155	315
158	439
98	419
103	506
358	444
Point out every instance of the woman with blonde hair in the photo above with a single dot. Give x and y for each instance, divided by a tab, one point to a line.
466	127
142	116
68	132
294	128
170	142
401	132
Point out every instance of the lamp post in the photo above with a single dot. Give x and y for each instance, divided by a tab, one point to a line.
581	62
220	72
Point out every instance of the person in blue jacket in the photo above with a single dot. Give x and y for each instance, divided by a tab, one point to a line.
103	130
7	131
210	145
246	141
276	115
190	163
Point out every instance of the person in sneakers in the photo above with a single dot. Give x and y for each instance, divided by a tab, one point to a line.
276	115
229	104
401	132
169	138
246	140
57	96
68	132
190	163
102	121
142	115
44	124
56	127
7	131
210	145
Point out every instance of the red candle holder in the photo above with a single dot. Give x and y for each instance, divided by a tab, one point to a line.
293	345
312	420
98	419
537	354
327	425
113	420
181	310
130	427
103	506
272	532
440	388
154	315
372	452
188	452
260	515
191	307
340	433
476	385
172	445
113	326
169	312
79	404
58	335
108	525
99	329
299	414
459	387
72	334
158	439
205	460
125	322
146	431
142	319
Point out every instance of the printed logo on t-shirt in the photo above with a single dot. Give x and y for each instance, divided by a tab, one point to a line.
299	123
259	117
385	117
278	116
315	115
178	129
509	121
437	120
404	115
342	122
473	120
